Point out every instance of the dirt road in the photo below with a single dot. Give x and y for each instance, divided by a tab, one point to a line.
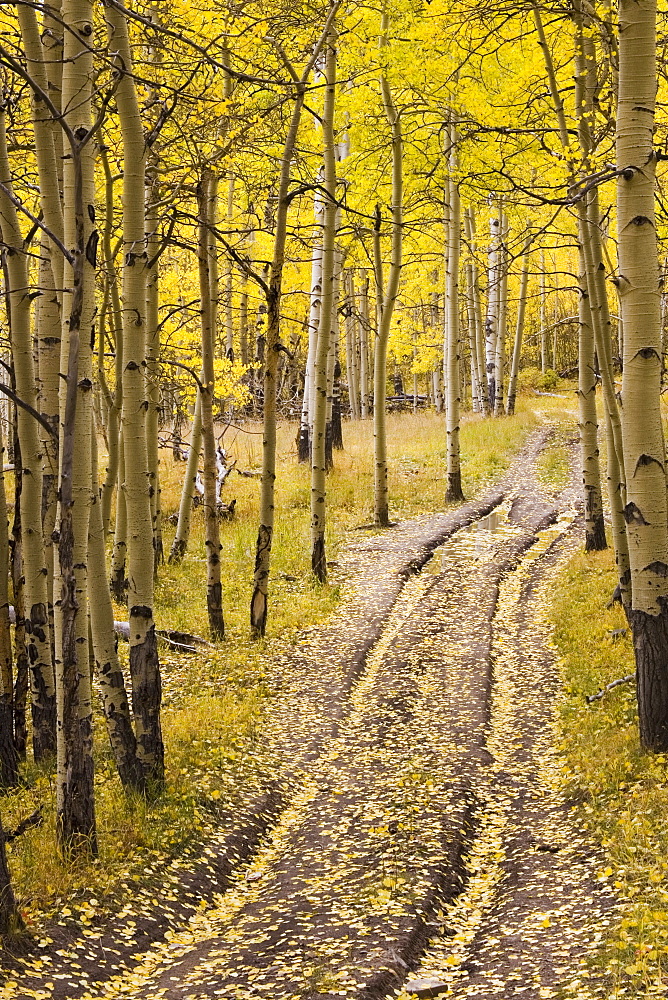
415	841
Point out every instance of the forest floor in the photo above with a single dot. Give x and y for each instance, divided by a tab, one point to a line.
411	835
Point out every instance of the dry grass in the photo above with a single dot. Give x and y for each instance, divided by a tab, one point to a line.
623	791
213	704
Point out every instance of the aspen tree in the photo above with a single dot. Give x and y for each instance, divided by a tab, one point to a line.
453	492
473	339
305	425
144	661
319	431
593	310
21	682
229	287
351	346
364	346
387	296
153	197
500	346
75	800
273	293
207	200
48	141
182	536
11	920
115	456
543	314
492	320
519	330
32	549
585	82
243	319
645	512
333	428
9	761
470	230
118	584
47	328
115	703
588	424
228	313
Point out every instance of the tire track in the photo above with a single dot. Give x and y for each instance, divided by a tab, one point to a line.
535	907
378	743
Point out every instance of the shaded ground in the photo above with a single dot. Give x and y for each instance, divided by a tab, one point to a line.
398	771
535	905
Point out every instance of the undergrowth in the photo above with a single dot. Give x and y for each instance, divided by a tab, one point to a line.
622	791
214	703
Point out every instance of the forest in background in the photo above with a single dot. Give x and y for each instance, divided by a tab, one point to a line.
213	215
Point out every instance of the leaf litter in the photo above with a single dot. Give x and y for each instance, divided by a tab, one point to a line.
399	796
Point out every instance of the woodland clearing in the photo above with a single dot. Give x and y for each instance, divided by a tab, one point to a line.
385	720
348	859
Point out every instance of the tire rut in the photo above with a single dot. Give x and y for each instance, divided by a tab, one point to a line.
535	906
376	799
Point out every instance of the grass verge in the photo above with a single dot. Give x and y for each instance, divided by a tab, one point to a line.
622	791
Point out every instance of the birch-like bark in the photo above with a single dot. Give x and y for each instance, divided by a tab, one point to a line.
228	314
115	703
207	201
588	423
319	429
436	390
47	328
154	193
453	491
260	596
364	327
114	471
500	347
154	395
32	549
588	221
22	681
543	314
470	230
118	583
188	490
473	339
646	512
585	87
306	421
9	760
75	799
352	347
381	491
334	430
336	416
144	661
519	329
492	319
243	316
593	311
46	132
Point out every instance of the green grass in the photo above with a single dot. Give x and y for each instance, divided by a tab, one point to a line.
553	467
623	790
214	703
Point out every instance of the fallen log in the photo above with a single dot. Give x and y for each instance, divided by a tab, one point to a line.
35	819
185	642
609	687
